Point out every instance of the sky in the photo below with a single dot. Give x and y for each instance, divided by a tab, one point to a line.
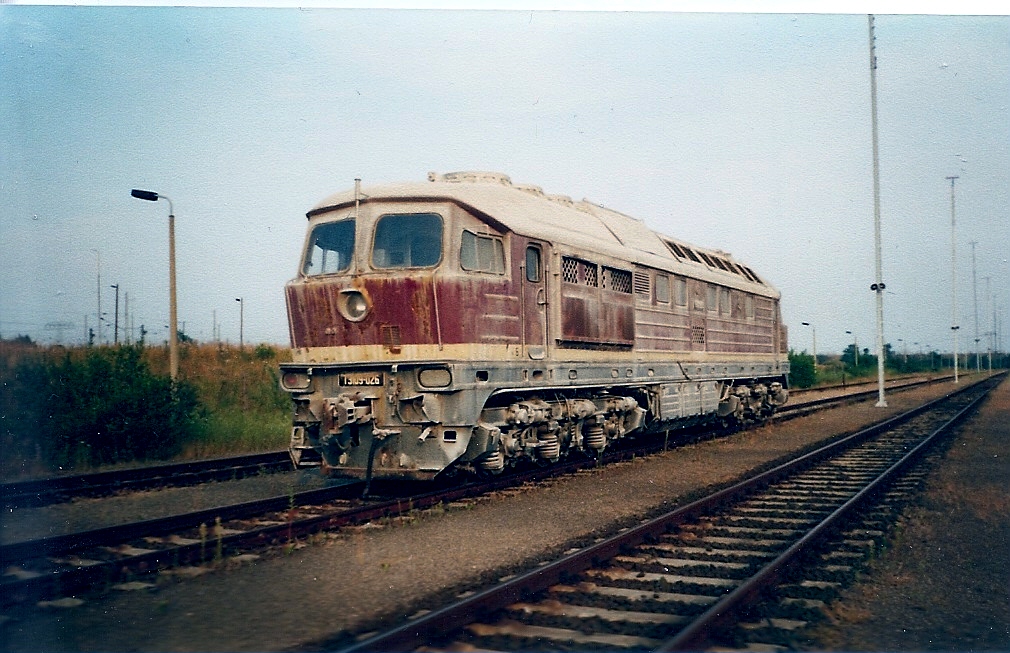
746	132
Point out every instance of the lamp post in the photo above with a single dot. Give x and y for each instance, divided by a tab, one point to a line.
173	334
855	349
241	323
813	330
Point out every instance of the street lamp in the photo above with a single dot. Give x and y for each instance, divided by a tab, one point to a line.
813	329
173	334
855	349
241	321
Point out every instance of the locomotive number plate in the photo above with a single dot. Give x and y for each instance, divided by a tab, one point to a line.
361	378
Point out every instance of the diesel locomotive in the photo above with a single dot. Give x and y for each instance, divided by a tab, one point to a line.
469	323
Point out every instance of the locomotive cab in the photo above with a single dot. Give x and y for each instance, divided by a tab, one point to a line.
396	305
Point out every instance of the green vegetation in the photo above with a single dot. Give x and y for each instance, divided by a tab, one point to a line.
802	370
853	367
78	408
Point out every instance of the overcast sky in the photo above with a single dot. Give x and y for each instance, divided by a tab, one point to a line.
745	132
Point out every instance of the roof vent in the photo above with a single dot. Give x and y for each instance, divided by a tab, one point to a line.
472	177
531	189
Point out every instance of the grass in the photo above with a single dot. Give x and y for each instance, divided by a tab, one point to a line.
227	432
247	411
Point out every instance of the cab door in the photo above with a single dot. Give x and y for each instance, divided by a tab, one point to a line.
533	277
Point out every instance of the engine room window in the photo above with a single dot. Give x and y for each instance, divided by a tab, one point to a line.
617	280
681	288
711	301
724	302
330	247
580	272
662	289
408	240
482	254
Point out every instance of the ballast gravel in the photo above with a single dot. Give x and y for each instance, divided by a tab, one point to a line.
358	578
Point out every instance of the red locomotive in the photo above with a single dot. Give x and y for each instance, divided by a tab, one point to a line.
469	323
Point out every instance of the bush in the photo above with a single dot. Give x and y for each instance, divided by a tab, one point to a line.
105	406
802	370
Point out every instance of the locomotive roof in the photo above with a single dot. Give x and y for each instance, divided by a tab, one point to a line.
527	210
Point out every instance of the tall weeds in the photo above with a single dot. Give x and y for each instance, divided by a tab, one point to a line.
78	408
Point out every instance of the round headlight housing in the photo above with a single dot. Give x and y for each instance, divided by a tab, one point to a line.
291	380
434	377
355	305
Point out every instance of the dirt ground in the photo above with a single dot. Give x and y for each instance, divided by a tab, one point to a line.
944	584
384	572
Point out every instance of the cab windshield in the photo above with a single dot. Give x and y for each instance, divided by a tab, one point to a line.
330	247
407	240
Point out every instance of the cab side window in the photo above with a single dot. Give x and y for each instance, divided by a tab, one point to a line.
481	253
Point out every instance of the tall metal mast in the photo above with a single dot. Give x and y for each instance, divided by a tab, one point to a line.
877	287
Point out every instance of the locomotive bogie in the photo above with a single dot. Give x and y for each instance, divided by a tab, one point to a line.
470	323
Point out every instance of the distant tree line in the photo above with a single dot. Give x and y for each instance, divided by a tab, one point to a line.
828	369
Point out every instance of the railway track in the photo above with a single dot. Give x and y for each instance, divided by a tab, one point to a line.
45	491
46	568
40	492
62	565
735	569
848	396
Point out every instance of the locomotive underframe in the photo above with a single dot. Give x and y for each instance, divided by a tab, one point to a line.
386	420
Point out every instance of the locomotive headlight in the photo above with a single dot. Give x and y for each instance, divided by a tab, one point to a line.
354	305
295	380
435	377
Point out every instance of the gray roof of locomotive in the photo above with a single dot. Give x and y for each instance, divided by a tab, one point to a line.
527	210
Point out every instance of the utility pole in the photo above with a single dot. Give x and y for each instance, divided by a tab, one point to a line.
115	329
98	254
974	294
878	286
992	334
953	274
